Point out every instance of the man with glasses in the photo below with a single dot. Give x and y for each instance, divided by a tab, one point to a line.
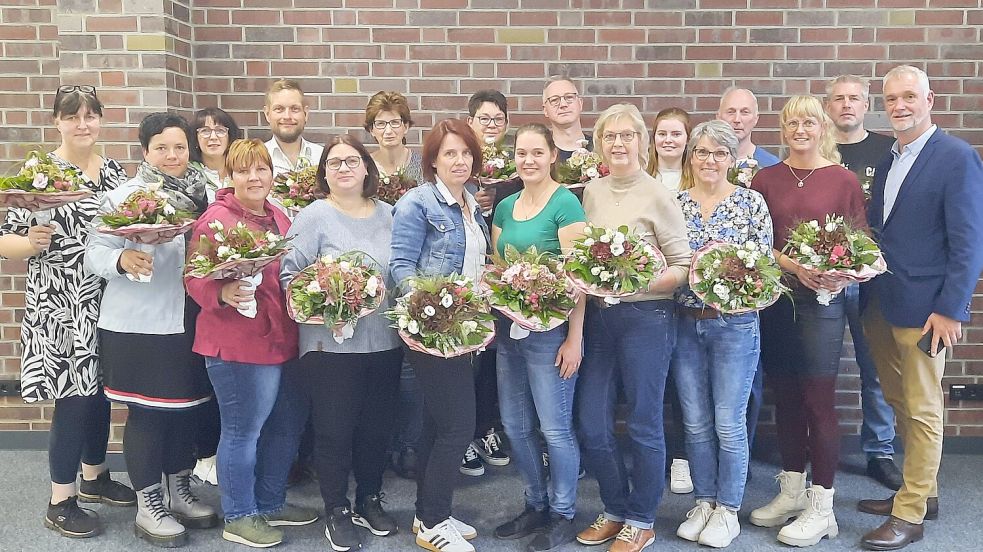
286	112
847	101
562	106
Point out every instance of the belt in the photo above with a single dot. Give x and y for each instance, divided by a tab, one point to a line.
706	313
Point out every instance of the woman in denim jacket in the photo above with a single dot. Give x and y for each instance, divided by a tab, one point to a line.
438	230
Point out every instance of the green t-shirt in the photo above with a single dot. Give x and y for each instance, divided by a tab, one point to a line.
563	209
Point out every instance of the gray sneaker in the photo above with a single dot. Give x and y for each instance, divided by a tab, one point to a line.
291	516
252	531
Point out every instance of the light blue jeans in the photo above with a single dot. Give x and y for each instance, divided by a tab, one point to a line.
713	365
532	394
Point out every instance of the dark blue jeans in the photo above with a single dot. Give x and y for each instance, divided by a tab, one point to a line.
629	342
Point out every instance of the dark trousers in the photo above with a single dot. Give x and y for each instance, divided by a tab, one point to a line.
79	433
448	427
209	430
487	416
353	401
158	441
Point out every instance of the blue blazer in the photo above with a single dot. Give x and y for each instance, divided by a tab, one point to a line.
933	238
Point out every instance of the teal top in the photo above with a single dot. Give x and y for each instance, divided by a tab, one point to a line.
563	209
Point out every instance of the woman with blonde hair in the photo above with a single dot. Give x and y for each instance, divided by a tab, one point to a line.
801	347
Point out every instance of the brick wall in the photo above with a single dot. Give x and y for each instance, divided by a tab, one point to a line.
149	55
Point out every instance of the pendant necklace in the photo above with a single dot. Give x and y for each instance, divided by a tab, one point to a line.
802	181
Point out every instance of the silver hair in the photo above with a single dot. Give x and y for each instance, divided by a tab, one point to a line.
849	79
719	132
902	70
559	78
730	89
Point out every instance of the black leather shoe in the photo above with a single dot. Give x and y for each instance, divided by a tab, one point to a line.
894	534
884	507
885	472
527	523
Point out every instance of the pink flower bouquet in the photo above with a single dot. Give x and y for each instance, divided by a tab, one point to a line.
530	289
235	252
613	263
41	185
146	217
735	279
295	189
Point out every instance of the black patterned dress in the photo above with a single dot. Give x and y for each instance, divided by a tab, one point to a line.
58	334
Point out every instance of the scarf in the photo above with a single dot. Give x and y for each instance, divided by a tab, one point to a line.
186	194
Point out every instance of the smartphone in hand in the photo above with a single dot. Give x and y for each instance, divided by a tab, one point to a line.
925	344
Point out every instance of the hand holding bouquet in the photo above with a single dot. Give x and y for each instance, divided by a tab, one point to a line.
582	167
295	189
336	292
42	185
531	289
735	279
394	186
443	316
838	252
743	172
613	263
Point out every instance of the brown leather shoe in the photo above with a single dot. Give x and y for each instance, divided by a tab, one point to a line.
884	507
894	534
599	532
632	539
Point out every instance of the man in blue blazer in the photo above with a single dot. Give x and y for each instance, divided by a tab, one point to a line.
926	212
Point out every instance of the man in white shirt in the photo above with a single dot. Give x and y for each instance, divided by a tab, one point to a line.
286	112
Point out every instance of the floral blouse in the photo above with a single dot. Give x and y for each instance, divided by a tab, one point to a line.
741	217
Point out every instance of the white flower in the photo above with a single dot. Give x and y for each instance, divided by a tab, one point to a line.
720	290
751	162
463	282
344	265
372	286
805	249
402	322
290	182
234	256
814	224
32	162
223	251
217	236
446	301
589	242
595	270
591	172
830	226
169	209
605	275
327	259
40	181
413	327
429	310
499	163
313	287
816	260
468	327
216	225
271	237
605	237
618	238
617	249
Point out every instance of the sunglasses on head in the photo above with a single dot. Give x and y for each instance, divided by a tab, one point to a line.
83	88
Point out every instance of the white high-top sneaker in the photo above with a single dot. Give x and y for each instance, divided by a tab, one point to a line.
790	502
680	481
154	523
722	528
816	522
696	520
183	503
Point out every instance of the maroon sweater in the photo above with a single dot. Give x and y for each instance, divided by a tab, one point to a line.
271	337
830	190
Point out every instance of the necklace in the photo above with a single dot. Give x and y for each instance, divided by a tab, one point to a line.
358	212
532	204
802	181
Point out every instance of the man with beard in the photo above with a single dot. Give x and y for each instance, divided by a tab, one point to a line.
286	112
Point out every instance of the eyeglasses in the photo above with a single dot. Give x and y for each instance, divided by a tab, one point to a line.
334	163
396	124
566	98
719	155
808	124
83	88
218	132
484	120
627	137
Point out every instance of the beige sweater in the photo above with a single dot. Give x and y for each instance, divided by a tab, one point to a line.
648	208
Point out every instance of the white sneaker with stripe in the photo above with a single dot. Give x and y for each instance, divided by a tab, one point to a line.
443	537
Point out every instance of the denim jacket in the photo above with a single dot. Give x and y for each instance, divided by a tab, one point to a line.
428	235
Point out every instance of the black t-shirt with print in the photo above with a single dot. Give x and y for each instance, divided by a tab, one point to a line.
864	156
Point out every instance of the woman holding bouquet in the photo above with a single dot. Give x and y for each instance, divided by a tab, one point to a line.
244	358
631	341
438	230
801	346
58	333
145	342
537	374
716	354
353	383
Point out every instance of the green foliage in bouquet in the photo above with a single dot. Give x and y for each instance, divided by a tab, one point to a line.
445	313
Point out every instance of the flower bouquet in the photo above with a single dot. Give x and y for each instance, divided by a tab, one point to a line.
582	167
236	253
295	189
735	279
531	289
497	164
336	292
613	263
444	316
743	172
393	186
42	185
836	250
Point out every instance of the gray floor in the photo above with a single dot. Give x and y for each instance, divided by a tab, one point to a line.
491	499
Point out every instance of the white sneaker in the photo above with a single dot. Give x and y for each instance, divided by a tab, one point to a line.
679	479
205	472
696	520
443	537
789	503
816	522
466	531
722	528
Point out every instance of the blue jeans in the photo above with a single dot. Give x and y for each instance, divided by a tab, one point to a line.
261	427
877	430
531	393
629	342
714	365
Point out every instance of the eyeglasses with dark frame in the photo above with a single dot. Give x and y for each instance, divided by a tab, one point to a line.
627	137
396	124
719	156
568	98
83	88
334	163
485	120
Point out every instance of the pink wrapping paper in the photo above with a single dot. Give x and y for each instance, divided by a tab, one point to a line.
33	201
150	234
695	278
416	346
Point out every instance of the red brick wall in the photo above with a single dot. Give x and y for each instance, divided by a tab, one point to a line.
148	55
